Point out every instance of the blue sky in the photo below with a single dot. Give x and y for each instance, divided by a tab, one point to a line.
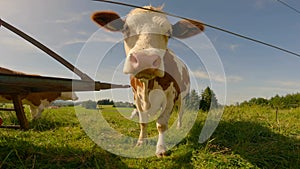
251	70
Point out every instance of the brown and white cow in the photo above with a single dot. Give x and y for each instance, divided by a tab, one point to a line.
159	79
37	101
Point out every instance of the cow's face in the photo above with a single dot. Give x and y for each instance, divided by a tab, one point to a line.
146	35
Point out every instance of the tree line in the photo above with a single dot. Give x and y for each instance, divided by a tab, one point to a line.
94	105
205	101
193	100
279	102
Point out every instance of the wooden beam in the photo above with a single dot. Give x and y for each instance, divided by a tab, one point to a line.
20	112
11	126
6	109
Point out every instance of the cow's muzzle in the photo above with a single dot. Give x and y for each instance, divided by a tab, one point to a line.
144	65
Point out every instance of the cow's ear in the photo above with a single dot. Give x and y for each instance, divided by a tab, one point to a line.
109	20
187	28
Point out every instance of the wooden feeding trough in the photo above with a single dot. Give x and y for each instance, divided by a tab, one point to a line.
17	86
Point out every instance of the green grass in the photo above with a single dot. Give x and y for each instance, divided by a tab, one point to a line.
247	137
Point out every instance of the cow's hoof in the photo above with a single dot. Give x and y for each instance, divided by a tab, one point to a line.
141	142
161	152
160	155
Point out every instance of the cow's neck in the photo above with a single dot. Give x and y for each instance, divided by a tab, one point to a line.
144	94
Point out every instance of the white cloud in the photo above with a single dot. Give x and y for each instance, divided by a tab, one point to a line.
14	43
74	41
234	79
70	18
261	4
233	47
200	74
216	77
285	84
99	38
84	33
107	38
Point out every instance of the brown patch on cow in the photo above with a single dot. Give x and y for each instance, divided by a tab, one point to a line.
35	98
187	28
12	72
134	82
172	75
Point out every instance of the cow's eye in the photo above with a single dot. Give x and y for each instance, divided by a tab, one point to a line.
126	31
125	28
168	34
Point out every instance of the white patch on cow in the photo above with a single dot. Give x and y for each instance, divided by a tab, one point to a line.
152	23
158	101
179	63
68	96
160	146
34	111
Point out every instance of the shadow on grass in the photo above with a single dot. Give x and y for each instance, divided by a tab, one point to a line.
253	142
17	153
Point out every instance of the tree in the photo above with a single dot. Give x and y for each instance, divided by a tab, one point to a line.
192	100
105	102
89	104
208	100
258	101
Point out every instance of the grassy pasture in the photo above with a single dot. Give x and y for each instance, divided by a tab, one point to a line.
247	137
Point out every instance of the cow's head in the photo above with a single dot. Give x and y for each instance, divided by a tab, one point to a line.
146	34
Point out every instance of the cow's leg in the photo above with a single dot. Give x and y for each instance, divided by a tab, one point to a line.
134	113
34	112
162	126
180	104
39	112
143	134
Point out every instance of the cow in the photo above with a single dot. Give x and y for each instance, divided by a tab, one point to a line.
36	101
159	79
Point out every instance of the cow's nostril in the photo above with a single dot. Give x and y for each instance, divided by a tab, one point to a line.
157	63
133	58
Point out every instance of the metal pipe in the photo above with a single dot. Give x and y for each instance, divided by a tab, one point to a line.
16	84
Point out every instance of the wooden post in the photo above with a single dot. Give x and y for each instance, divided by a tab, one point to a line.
20	112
